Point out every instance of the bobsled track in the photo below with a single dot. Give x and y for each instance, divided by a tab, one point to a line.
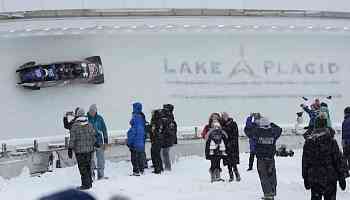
199	64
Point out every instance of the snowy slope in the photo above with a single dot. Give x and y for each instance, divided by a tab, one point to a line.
188	180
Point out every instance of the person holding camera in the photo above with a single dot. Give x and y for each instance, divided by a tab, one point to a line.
265	135
322	162
99	125
346	136
252	143
82	141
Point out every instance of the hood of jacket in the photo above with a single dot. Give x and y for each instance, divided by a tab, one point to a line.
137	108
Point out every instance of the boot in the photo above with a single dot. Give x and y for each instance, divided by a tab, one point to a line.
212	176
218	175
231	176
238	176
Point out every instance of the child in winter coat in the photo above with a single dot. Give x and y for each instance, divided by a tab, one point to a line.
215	150
213	117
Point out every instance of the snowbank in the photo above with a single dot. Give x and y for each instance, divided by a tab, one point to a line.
188	180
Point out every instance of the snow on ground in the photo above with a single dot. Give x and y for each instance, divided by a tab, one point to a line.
188	180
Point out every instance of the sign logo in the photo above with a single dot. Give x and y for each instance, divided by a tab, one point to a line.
242	66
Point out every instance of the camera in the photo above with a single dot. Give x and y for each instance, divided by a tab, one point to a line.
70	113
256	115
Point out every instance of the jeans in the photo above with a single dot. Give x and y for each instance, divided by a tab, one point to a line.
99	165
267	175
166	158
156	158
346	150
215	164
84	165
137	161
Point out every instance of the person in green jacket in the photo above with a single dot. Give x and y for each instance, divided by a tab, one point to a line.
99	125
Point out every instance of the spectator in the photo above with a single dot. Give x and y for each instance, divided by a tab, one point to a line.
215	150
253	118
82	141
265	135
232	160
136	139
169	133
346	136
99	125
156	141
322	162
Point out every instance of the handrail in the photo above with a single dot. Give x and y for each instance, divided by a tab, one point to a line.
170	12
34	5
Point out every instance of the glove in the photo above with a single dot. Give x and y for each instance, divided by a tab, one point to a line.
70	153
329	97
302	105
97	145
305	99
307	184
342	184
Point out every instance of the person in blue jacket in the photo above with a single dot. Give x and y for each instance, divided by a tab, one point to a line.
99	125
252	142
346	136
313	113
136	139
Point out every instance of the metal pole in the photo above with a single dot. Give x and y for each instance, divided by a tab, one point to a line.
35	145
66	142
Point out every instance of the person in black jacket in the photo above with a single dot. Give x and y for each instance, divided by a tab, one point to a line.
322	163
216	150
156	141
169	134
265	135
232	160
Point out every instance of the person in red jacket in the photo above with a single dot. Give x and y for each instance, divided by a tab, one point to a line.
213	117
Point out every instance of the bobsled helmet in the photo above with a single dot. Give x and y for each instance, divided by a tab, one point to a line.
78	70
347	111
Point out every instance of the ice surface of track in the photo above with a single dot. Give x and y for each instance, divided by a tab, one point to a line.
189	180
140	55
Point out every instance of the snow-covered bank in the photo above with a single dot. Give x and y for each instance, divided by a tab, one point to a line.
188	180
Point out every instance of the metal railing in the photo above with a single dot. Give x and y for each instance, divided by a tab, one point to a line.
170	12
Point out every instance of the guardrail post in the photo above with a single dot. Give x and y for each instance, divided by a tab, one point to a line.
195	131
66	142
4	149
36	145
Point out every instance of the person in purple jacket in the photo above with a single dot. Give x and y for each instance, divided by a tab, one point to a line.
346	136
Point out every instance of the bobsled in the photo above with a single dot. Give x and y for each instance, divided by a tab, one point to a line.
35	76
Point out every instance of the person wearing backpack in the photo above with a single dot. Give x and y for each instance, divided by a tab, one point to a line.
156	141
215	150
169	134
322	162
